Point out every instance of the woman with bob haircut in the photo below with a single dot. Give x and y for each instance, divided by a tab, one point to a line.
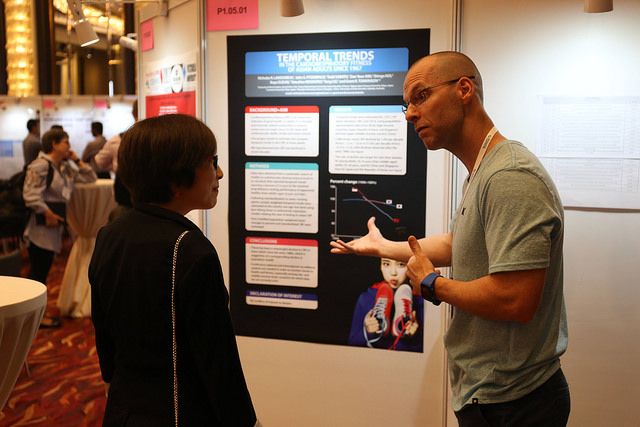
47	188
170	166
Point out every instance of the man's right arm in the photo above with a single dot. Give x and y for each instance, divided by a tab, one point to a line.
437	248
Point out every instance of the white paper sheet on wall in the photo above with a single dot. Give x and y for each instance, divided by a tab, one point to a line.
591	148
14	114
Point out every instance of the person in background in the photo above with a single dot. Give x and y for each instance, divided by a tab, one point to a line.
170	166
31	145
509	325
93	148
47	189
107	159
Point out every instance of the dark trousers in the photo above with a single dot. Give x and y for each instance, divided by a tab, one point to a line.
546	406
41	260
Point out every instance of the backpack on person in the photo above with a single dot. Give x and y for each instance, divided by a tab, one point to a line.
13	212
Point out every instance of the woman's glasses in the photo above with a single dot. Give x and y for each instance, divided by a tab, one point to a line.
214	160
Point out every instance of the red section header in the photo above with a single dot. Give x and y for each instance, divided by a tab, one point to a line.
281	109
279	241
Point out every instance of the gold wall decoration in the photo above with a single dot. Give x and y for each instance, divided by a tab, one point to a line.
20	54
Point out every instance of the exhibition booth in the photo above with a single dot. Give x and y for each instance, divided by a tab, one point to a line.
538	60
313	142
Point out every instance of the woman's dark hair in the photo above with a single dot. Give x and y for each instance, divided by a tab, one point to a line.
162	151
51	136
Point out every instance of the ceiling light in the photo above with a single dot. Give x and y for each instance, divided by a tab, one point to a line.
84	30
598	6
290	8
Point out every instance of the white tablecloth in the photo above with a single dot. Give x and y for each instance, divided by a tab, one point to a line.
87	212
22	304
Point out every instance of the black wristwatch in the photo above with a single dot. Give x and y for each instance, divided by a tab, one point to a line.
427	290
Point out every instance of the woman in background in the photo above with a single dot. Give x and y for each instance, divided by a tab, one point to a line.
47	189
170	166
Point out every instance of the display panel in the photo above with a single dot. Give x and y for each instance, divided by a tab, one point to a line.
318	144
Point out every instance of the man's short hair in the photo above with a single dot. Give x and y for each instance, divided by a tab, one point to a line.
96	127
51	136
31	123
160	152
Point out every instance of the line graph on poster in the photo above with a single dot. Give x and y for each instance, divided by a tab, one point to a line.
353	203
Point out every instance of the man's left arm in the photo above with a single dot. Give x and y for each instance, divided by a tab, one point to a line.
505	296
520	227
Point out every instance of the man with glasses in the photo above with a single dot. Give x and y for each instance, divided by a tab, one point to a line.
508	327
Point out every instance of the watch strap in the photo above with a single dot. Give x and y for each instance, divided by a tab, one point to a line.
427	289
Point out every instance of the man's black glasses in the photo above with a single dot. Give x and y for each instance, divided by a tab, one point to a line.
421	96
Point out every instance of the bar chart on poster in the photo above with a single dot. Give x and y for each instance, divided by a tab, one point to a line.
354	202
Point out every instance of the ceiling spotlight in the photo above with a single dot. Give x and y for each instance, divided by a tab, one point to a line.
598	6
84	30
290	8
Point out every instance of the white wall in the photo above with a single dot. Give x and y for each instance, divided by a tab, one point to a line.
303	384
551	47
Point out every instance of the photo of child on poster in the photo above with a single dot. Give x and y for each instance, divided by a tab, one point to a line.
389	315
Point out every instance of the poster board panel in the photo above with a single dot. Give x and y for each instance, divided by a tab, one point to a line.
318	144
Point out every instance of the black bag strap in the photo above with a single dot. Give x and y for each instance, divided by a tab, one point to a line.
49	174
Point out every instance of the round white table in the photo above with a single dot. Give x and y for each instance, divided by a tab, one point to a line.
22	305
87	211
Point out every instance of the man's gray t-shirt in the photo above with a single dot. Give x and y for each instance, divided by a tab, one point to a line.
31	146
511	220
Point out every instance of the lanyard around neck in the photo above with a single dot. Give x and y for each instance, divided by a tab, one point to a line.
481	153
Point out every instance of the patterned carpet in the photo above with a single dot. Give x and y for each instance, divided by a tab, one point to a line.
65	387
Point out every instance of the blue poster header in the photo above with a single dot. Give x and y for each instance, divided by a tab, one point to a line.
327	61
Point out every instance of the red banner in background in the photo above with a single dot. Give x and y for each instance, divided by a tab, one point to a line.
173	103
